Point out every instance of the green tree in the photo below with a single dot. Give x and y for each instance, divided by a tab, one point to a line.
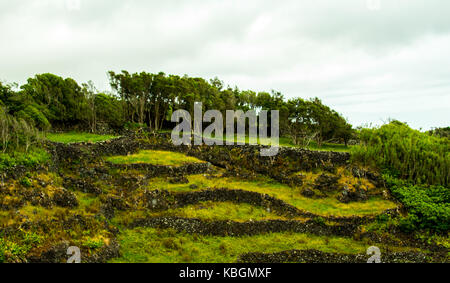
90	93
299	121
63	99
109	110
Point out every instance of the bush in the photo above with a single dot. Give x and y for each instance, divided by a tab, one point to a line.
31	159
32	115
428	206
440	132
405	153
16	133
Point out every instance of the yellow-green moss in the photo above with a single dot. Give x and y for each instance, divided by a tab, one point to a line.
155	157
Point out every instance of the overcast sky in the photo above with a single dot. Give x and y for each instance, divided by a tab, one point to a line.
370	61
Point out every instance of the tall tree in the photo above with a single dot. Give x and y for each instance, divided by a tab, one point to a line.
63	100
90	93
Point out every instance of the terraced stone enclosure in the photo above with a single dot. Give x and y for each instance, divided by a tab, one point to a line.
138	198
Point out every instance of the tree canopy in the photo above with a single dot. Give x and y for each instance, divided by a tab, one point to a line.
148	99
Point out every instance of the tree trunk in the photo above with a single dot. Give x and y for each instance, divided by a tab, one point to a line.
156	116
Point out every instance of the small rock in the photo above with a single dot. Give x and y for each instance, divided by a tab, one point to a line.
178	180
308	193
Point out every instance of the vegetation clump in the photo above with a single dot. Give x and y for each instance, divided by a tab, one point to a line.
155	157
416	169
405	153
428	206
32	158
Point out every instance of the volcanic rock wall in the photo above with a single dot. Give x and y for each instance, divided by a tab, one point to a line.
244	159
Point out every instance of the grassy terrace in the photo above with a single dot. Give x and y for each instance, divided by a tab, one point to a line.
155	157
223	211
75	137
148	245
329	206
206	211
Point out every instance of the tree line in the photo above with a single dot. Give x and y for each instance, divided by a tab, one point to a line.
48	101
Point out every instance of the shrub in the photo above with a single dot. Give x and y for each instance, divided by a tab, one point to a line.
16	133
405	153
428	206
440	132
31	159
32	115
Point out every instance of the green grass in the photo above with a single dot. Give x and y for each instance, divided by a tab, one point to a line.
148	245
216	211
329	206
155	157
75	137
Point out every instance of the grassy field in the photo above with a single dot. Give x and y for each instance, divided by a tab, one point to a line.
75	137
155	157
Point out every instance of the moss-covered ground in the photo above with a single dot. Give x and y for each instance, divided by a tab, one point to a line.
155	157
